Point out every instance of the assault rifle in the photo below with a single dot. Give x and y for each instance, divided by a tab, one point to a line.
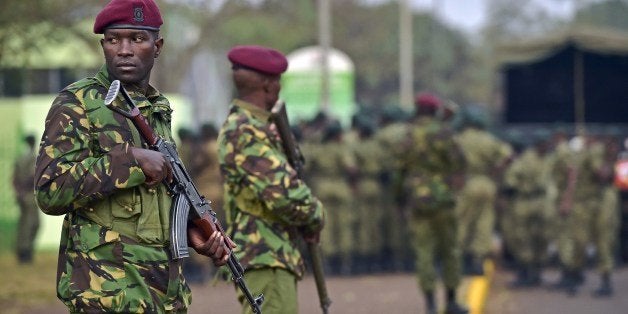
296	160
188	203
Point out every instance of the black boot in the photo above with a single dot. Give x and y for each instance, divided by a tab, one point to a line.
25	256
452	306
472	265
521	280
574	280
430	302
605	289
534	276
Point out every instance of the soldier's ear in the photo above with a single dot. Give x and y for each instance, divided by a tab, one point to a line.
159	43
266	84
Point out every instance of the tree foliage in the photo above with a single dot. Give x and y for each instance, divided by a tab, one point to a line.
445	61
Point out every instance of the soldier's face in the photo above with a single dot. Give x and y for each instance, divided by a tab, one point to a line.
130	54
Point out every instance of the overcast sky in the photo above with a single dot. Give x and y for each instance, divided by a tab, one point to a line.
469	15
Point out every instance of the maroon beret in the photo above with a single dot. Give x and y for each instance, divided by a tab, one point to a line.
427	100
136	14
258	58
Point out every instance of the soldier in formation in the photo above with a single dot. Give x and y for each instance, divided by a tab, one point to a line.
486	157
535	217
269	209
527	222
330	167
433	168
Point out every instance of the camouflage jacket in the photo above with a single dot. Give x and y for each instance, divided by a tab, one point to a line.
85	166
266	204
433	166
483	151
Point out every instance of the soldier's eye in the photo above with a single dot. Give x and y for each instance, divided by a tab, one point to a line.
139	38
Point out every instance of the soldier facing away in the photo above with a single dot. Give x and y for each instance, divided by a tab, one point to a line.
94	169
28	223
268	207
433	167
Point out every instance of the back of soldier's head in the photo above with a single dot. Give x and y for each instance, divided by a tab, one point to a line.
29	140
391	114
332	132
472	116
185	134
208	131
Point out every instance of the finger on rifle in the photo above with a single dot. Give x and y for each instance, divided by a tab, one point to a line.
169	172
230	243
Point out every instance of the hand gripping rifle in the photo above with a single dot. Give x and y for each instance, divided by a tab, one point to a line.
188	204
296	160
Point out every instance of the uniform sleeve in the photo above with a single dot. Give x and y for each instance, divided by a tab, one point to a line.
267	172
68	173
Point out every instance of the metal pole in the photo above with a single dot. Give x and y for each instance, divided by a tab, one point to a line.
324	38
405	55
579	95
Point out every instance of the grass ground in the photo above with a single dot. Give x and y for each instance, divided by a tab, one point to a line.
27	286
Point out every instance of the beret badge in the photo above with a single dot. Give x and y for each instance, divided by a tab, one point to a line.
138	14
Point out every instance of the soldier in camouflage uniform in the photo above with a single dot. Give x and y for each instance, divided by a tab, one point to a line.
433	169
396	233
330	168
269	209
579	200
486	158
527	222
28	223
607	217
369	200
94	168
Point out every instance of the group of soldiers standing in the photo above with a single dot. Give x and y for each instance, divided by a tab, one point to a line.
561	195
543	196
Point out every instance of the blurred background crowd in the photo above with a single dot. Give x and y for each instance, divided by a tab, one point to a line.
532	90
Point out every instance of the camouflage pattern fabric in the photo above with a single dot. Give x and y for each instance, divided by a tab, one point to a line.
267	205
396	227
527	225
280	290
101	271
476	205
573	238
328	166
606	226
369	200
115	226
432	162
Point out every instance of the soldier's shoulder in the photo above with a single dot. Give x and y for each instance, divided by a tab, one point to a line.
81	85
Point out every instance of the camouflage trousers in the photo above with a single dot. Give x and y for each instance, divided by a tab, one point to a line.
476	213
435	242
279	287
527	229
606	229
101	271
576	234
